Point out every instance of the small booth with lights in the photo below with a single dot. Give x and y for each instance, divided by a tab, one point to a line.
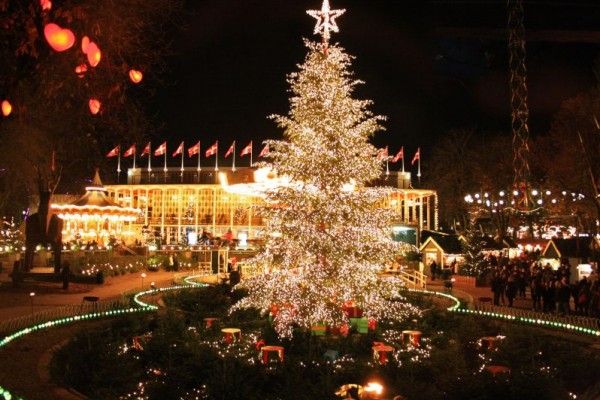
94	218
577	251
445	249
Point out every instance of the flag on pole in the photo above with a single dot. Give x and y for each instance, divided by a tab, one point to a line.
146	150
179	150
247	150
195	149
160	150
212	150
264	151
382	153
114	152
416	157
230	150
398	156
130	151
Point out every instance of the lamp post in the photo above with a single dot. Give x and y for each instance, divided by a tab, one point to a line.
143	276
31	296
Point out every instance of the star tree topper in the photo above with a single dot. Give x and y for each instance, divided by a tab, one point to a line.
325	20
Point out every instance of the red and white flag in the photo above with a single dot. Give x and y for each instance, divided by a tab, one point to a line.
416	157
247	150
114	152
230	150
130	151
146	150
382	153
398	156
160	150
264	151
195	149
212	150
179	150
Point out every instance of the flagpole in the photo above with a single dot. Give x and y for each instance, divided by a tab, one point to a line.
199	167
165	167
149	158
134	151
402	159
119	164
217	157
182	153
233	168
419	167
387	166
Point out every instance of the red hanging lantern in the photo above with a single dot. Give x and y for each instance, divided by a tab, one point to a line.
85	42
6	108
80	70
94	105
93	54
58	38
46	5
135	75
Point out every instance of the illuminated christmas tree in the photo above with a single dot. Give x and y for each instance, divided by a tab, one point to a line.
327	240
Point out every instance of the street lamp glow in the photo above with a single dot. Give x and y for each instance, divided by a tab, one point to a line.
373	388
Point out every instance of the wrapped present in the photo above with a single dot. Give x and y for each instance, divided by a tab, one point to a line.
209	322
342	330
353	312
231	335
382	353
360	324
318	330
411	337
272	353
372	324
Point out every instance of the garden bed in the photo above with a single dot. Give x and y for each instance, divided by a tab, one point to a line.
176	355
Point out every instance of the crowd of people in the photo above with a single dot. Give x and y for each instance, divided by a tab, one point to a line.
549	290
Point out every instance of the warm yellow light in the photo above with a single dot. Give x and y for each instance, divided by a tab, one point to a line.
374	388
6	108
58	38
135	75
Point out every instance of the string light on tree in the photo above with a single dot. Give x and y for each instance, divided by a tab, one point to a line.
325	20
336	254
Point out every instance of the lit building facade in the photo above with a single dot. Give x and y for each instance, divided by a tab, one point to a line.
178	205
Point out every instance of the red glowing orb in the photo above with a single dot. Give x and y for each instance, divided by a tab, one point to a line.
58	38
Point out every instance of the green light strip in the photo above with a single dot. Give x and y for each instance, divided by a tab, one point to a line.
141	307
532	321
145	307
189	281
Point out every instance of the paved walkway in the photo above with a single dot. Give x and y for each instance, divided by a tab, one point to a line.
16	302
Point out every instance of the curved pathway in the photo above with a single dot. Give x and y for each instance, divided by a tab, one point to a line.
23	364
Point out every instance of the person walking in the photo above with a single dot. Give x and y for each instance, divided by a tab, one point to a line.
511	288
497	287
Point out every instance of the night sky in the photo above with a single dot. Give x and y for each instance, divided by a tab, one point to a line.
230	60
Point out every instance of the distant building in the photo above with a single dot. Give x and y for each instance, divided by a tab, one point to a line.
178	205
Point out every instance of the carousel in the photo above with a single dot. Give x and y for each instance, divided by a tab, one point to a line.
95	219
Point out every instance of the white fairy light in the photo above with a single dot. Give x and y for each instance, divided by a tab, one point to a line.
325	20
333	240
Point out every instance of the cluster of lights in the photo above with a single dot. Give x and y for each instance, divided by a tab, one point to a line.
92	269
506	199
533	321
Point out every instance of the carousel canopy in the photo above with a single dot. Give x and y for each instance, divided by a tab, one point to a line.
95	204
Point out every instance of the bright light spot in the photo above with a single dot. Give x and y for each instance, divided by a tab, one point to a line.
374	388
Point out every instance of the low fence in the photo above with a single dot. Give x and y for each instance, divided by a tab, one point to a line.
538	317
18	323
